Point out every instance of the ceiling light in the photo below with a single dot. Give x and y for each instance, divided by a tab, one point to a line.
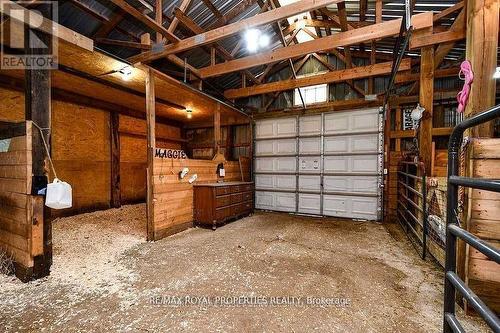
301	24
264	40
189	113
126	73
252	39
497	73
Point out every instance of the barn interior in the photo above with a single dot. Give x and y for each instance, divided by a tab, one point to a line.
250	165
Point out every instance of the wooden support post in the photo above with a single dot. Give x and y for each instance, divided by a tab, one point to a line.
38	109
398	127
481	51
159	19
151	138
115	159
217	131
426	99
229	142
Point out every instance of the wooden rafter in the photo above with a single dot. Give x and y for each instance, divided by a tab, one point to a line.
381	30
183	7
335	76
217	34
146	20
212	8
123	43
196	29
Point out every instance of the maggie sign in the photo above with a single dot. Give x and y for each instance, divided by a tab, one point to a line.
26	38
170	153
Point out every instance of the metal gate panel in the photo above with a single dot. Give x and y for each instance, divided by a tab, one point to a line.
310	203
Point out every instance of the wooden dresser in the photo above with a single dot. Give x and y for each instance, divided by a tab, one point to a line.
217	203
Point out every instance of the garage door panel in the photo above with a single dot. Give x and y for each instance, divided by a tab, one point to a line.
275	147
310	145
264	181
351	164
272	128
264	164
284	202
336	144
310	203
361	184
285	164
285	182
286	127
310	125
309	183
352	122
364	143
336	164
364	163
310	164
350	207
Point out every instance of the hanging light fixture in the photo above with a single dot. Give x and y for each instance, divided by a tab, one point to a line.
497	73
126	73
189	113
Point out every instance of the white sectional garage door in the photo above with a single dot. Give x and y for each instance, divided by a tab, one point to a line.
328	164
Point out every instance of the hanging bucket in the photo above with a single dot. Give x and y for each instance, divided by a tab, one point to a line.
59	195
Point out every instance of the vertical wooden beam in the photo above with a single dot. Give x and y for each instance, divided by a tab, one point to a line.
481	51
229	142
38	109
151	138
397	127
159	18
115	159
213	56
378	11
217	130
426	98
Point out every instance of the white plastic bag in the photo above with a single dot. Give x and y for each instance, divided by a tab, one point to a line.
59	195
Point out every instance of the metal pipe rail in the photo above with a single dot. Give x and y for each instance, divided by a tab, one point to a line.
452	282
411	203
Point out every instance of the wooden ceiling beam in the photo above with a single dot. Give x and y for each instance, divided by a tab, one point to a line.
330	77
212	8
175	21
356	36
146	20
444	48
196	29
448	11
217	34
123	43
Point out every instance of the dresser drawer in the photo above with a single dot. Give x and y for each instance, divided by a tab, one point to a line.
222	213
247	206
235	189
236	209
247	196
246	188
236	198
221	201
222	190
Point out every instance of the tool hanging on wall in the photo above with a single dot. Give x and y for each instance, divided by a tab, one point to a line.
466	75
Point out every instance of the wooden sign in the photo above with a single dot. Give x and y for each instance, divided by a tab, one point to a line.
170	153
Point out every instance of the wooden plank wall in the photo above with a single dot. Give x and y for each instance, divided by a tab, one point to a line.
173	197
133	154
19	237
482	274
81	150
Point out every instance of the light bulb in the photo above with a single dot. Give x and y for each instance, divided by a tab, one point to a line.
264	40
252	39
126	73
497	73
189	113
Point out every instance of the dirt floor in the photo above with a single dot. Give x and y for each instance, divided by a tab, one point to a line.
266	273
